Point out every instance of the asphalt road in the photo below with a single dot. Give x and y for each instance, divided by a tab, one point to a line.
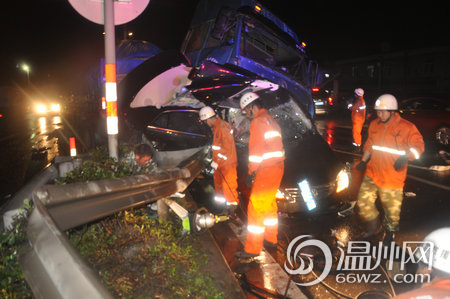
426	207
28	143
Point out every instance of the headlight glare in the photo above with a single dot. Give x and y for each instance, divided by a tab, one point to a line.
40	108
342	181
55	107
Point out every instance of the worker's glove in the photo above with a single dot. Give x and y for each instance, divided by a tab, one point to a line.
401	162
361	166
249	179
214	165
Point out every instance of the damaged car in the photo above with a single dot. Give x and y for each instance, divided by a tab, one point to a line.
314	181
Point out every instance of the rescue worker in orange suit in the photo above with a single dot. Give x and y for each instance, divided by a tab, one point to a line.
435	266
224	159
358	109
391	142
265	171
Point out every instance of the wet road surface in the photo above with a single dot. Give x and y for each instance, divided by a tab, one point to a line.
426	207
29	143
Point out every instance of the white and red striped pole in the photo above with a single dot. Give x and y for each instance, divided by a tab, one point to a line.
112	123
73	147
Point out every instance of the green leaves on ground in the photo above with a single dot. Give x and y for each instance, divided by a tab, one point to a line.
140	257
12	282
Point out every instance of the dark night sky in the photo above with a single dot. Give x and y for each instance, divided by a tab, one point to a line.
61	46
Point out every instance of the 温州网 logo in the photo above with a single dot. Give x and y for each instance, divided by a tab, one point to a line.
358	257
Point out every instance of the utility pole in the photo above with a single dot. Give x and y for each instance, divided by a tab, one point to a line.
103	12
112	123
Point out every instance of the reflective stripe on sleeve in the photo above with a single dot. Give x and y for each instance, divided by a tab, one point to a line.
255	159
220	199
271	134
222	156
265	156
415	153
216	148
277	154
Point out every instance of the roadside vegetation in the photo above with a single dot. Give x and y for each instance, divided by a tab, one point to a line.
12	282
135	254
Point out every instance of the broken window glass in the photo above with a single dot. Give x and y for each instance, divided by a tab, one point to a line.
294	123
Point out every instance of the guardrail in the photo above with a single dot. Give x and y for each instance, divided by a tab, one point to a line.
51	265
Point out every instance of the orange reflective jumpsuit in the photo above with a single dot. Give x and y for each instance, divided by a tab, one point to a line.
266	160
358	117
436	290
224	154
386	143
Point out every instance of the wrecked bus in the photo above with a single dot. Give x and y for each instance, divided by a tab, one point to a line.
245	34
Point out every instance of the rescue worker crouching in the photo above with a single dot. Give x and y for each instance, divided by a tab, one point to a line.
224	159
391	142
358	109
265	171
435	265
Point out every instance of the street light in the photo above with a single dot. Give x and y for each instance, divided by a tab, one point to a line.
26	68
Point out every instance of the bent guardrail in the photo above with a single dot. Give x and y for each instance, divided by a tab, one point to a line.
51	265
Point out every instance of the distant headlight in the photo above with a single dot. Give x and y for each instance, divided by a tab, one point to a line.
55	107
342	180
40	108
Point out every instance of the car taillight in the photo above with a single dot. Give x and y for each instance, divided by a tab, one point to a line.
330	101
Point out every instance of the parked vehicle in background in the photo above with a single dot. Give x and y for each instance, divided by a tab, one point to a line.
323	100
431	116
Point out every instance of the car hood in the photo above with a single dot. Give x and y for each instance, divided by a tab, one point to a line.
155	82
168	79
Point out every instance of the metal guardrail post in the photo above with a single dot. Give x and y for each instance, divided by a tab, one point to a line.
78	203
11	208
51	265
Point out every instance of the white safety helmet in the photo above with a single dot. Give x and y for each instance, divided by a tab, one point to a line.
386	102
437	256
359	92
248	98
206	112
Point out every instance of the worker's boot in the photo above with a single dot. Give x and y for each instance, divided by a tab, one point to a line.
373	227
244	255
269	245
389	237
